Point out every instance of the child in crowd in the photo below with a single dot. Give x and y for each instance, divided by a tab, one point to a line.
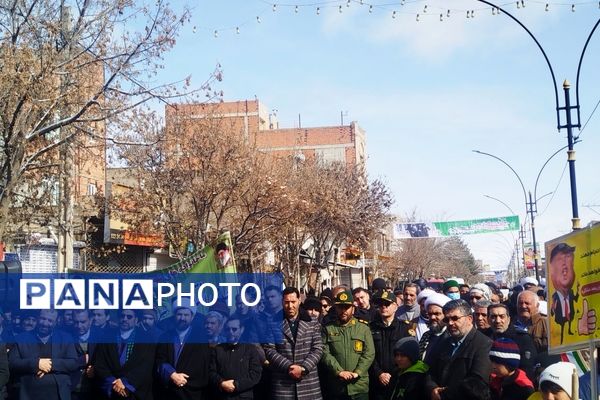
556	382
408	381
508	381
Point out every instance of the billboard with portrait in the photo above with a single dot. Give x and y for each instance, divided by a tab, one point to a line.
573	282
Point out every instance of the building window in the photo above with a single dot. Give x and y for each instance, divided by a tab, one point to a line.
91	189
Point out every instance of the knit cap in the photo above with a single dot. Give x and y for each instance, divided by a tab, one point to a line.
560	373
409	347
506	352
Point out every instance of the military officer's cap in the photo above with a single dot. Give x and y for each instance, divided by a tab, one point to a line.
386	297
344	297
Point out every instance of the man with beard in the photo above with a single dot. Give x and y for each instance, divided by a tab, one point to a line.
437	327
43	360
331	316
501	327
149	326
531	321
213	327
182	363
386	330
349	352
293	361
463	356
125	366
420	323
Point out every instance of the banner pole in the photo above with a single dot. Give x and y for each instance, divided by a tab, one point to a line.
593	370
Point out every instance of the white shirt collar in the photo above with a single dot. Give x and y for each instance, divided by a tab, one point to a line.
125	335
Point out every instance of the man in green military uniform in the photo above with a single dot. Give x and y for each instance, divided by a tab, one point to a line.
349	352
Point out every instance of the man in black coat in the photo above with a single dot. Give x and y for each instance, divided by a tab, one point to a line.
437	333
43	360
181	358
499	317
86	338
125	367
386	330
464	354
235	368
364	310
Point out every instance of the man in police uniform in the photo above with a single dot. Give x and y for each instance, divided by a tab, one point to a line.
348	353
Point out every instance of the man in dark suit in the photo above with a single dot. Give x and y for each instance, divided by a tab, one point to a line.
124	367
235	368
87	337
464	355
43	360
181	359
293	360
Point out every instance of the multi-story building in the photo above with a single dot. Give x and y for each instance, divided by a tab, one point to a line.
251	118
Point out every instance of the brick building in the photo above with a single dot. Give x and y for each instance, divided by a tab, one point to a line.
251	118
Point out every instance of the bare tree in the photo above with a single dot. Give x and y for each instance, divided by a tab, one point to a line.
65	69
199	179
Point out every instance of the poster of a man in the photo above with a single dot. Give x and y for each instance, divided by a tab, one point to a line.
562	273
223	254
573	272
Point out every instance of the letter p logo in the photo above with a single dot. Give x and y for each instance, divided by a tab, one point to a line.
34	294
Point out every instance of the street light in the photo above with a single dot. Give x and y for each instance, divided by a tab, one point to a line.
566	108
521	231
530	202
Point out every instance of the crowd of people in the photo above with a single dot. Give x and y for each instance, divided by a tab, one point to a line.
412	343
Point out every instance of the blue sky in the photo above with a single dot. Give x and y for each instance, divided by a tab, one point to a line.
426	92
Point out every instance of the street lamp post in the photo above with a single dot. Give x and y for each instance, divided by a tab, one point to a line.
532	213
521	234
530	202
567	108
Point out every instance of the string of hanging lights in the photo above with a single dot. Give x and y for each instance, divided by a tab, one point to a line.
427	10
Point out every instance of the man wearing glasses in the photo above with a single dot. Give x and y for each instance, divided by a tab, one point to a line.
386	330
462	359
125	366
235	368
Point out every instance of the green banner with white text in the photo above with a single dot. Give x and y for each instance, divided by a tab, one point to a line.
456	228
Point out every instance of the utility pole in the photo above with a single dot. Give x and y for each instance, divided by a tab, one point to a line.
67	170
531	204
522	237
571	155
